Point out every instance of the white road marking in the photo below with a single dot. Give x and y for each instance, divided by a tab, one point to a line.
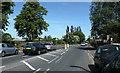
48	69
62	53
2	66
90	54
59	59
42	58
25	56
37	70
59	50
30	58
27	64
50	55
90	57
53	59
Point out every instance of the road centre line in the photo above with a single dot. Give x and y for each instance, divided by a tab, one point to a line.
42	58
59	59
37	70
27	64
53	59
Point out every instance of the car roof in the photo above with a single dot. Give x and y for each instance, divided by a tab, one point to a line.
108	45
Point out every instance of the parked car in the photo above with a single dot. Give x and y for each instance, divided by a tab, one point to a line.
50	46
7	48
105	56
34	48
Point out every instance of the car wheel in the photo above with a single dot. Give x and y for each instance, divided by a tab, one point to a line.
16	52
3	54
39	52
24	54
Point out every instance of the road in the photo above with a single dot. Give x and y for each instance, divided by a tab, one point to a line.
76	58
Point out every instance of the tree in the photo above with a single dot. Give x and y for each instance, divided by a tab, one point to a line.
7	9
67	29
81	36
49	37
30	21
6	37
105	19
72	30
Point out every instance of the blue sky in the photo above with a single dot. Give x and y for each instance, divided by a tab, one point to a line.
59	16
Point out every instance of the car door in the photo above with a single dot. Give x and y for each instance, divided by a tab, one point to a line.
11	48
6	48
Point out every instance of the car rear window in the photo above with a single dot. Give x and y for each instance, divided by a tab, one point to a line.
28	45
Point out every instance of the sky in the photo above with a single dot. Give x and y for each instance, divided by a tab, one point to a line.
59	16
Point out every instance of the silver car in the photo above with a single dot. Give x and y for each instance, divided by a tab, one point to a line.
50	46
6	48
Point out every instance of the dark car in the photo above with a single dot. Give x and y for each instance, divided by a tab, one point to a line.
34	48
104	56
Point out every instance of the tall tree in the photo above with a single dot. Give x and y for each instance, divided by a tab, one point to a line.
30	21
105	18
79	29
67	29
72	29
7	9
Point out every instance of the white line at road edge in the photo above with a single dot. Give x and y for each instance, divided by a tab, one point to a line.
59	59
90	54
42	58
90	57
28	65
53	59
37	70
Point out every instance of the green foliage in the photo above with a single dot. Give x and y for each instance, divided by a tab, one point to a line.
7	9
30	21
6	37
105	19
81	36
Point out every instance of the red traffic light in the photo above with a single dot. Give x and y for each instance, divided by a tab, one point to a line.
30	35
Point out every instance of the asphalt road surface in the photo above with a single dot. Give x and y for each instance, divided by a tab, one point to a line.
75	59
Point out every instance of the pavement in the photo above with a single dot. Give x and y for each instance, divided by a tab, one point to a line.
75	59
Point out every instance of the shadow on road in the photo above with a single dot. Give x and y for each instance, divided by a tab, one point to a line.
86	71
86	48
